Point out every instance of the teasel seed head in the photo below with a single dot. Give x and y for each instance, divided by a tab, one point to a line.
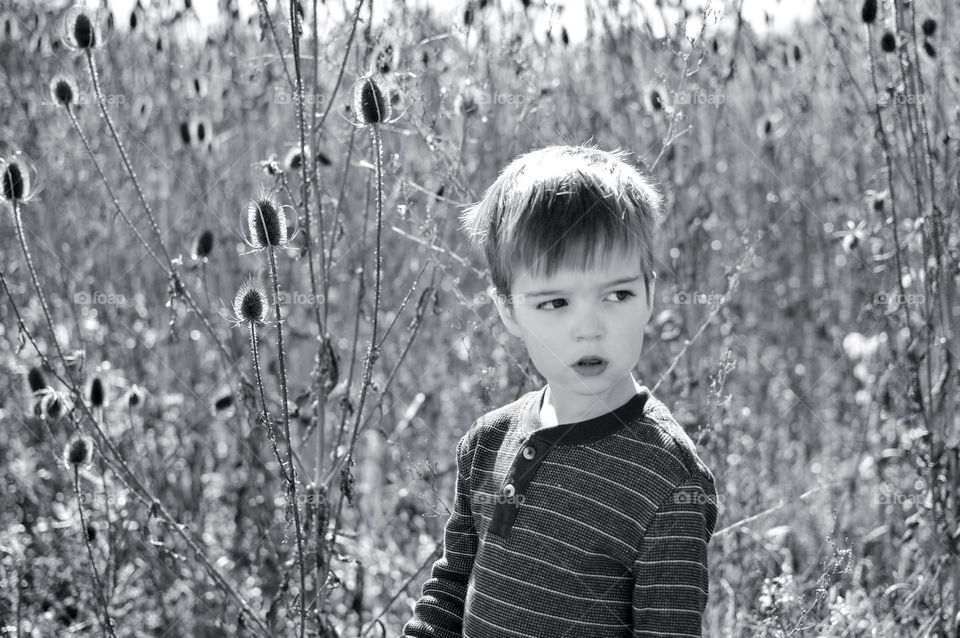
134	396
369	105
267	222
293	160
80	27
888	42
250	304
204	245
35	379
929	27
97	393
868	13
63	90
16	180
78	451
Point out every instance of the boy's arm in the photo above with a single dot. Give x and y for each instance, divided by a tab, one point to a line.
671	582
439	612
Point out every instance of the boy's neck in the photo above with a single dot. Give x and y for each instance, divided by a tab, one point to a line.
551	414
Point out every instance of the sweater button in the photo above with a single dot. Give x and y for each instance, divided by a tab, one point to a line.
509	491
529	452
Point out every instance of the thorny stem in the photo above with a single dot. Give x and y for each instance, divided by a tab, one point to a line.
36	284
292	475
267	420
130	480
172	274
105	621
374	350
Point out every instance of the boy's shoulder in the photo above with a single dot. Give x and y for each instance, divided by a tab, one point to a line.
499	420
658	427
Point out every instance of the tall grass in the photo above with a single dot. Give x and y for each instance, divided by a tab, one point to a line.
804	330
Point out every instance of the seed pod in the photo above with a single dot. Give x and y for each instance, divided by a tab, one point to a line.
223	402
36	380
63	90
888	42
78	451
868	13
267	222
293	160
323	159
250	304
16	180
84	33
204	244
564	36
928	49
185	132
97	394
929	27
134	396
369	105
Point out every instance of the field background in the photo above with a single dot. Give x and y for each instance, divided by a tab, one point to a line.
803	332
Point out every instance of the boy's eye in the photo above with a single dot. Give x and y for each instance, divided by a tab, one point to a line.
553	304
623	295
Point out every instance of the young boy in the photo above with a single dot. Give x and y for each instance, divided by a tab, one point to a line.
582	509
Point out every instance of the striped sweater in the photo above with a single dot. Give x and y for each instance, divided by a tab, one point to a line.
592	529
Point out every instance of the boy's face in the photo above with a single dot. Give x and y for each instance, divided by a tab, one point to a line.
583	330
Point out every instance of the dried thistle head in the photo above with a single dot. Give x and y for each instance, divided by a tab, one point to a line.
36	380
888	42
77	452
135	396
81	30
267	222
63	90
250	303
98	394
15	180
204	245
369	105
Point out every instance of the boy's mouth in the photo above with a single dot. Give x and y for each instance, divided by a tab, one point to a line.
590	366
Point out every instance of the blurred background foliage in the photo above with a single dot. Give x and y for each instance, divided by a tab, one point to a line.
819	391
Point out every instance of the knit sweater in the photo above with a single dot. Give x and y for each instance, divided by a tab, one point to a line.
596	529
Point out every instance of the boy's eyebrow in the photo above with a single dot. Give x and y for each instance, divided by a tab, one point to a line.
615	282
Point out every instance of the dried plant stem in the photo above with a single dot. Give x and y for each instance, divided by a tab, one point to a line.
118	464
373	352
172	274
105	622
267	420
18	222
292	474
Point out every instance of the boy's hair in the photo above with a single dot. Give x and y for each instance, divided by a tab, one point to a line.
562	206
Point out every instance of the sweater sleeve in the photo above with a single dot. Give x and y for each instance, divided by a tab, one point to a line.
671	582
439	612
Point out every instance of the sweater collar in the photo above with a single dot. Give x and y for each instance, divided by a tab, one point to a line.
582	431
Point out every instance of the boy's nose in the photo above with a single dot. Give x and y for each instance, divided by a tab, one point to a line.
589	326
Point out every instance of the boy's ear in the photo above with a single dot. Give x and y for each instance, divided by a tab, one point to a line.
505	310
